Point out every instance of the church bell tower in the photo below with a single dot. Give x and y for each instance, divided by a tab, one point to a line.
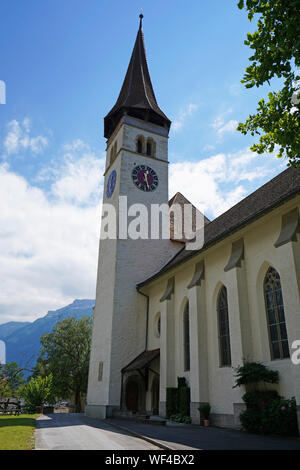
136	172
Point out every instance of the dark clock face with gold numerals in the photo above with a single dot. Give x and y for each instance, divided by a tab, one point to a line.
144	178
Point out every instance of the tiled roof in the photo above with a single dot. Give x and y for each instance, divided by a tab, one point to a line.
281	188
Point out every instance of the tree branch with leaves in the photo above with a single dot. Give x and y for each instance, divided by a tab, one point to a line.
276	53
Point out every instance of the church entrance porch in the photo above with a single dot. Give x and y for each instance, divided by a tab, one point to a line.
140	385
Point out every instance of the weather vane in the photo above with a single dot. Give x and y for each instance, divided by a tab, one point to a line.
141	18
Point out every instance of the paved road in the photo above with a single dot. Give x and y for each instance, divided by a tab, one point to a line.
199	437
72	431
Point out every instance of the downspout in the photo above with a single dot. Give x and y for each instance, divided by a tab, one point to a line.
147	318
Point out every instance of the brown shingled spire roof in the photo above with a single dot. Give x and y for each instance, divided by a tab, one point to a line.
136	97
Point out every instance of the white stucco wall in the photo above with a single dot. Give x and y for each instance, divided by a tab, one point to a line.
247	316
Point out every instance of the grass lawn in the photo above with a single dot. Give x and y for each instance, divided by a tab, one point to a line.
17	432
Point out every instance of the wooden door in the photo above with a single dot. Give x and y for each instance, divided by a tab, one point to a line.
132	395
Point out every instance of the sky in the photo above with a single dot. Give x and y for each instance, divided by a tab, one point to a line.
63	63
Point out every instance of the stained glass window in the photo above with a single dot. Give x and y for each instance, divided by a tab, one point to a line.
186	337
224	337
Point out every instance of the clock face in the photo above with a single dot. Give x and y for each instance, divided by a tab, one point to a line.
111	182
145	178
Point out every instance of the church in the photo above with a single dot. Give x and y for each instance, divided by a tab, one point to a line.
164	311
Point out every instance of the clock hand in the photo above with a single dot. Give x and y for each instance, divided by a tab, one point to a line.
146	178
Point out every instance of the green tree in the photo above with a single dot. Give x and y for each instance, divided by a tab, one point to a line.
65	353
4	388
276	53
38	391
15	378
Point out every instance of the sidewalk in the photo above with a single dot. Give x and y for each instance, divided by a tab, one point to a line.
199	437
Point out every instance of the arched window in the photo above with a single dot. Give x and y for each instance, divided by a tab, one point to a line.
279	344
224	337
186	337
139	146
149	148
157	325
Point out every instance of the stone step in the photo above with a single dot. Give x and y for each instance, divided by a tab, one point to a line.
140	418
161	422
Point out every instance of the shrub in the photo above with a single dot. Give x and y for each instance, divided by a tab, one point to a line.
251	420
179	418
280	417
266	411
205	410
277	416
184	401
255	398
255	372
181	382
38	391
172	401
178	399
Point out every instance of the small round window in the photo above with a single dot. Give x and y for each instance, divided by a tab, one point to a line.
157	325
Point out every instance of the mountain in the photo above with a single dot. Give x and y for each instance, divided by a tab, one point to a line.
22	339
6	329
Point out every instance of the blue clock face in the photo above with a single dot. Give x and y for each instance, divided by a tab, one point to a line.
111	183
145	178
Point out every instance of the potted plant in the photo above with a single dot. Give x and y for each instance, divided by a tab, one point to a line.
205	412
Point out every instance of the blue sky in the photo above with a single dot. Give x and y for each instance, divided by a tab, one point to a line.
63	62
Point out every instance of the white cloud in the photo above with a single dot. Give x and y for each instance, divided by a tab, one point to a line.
18	138
208	147
216	183
80	179
223	127
228	127
179	122
49	242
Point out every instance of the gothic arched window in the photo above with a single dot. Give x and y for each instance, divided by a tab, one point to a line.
223	320
186	337
139	146
279	344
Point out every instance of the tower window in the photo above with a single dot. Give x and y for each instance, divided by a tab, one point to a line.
113	152
275	315
186	337
224	338
139	146
149	148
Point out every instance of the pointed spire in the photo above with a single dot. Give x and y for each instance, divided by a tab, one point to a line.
137	96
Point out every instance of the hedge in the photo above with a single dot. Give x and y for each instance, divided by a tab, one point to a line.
172	401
